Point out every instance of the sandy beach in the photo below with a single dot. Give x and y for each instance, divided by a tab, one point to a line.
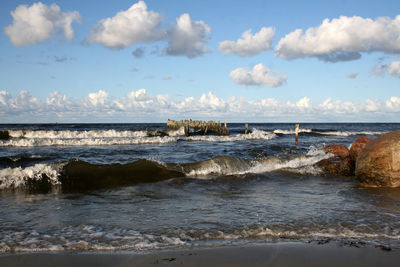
283	254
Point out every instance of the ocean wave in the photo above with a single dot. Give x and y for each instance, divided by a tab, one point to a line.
349	133
328	133
85	238
24	142
77	175
66	134
292	131
39	173
255	134
95	238
30	138
225	165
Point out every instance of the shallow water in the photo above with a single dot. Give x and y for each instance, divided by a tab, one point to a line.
129	187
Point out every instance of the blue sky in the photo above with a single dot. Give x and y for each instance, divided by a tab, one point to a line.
182	59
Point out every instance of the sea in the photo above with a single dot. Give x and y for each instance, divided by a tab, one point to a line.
142	188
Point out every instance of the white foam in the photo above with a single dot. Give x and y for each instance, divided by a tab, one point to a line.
82	238
254	135
347	133
292	131
179	132
300	164
25	142
65	134
230	166
16	177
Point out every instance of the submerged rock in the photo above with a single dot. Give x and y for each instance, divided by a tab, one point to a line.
357	146
4	135
378	164
337	150
337	166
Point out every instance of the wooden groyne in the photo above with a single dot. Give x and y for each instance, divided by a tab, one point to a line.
204	127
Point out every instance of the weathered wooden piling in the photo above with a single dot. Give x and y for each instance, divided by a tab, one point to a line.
186	128
297	134
246	128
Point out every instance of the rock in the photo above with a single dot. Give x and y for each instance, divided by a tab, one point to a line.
378	164
357	146
337	150
4	135
337	166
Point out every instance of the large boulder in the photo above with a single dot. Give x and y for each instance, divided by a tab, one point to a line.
337	166
357	146
337	150
378	164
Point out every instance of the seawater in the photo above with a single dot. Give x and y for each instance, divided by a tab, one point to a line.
118	187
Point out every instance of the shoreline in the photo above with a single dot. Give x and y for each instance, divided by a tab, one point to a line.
276	254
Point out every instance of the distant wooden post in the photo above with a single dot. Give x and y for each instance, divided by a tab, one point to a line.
186	128
297	133
246	128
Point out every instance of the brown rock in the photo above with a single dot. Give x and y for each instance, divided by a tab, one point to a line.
378	164
357	146
337	150
337	166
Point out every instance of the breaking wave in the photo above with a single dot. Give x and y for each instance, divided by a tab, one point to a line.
328	133
77	175
94	238
32	138
348	133
224	165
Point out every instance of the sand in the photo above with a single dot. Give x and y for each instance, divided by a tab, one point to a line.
281	254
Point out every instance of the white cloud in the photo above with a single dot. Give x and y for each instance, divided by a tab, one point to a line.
373	105
140	101
249	45
39	22
97	99
393	104
260	75
394	69
303	103
187	38
342	39
58	101
132	26
139	105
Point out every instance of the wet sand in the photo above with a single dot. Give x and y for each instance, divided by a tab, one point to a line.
282	254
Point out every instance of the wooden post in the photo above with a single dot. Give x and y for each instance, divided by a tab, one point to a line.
246	128
186	128
297	134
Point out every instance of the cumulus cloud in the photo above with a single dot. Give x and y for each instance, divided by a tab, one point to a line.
187	38
342	39
128	27
249	45
381	69
96	99
140	101
260	75
394	69
39	22
393	104
100	106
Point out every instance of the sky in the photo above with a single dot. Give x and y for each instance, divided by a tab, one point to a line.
241	61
